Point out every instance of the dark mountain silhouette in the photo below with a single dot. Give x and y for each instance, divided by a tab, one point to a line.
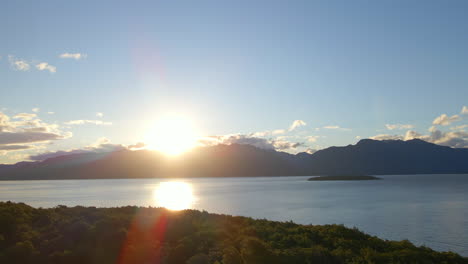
369	157
388	157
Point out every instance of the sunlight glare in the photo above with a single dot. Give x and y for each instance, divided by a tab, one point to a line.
174	195
172	135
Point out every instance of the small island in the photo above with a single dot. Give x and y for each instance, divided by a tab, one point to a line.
344	178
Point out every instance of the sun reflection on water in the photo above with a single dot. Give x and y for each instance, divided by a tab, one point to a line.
174	195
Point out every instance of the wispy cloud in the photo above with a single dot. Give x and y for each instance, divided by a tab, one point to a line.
25	116
102	145
26	130
99	114
83	122
398	126
8	148
44	66
457	137
297	123
335	127
460	127
312	138
445	120
36	110
76	56
464	110
387	137
18	64
268	144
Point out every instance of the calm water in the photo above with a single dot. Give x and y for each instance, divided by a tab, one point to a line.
426	209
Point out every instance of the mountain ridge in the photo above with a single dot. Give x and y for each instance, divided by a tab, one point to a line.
370	157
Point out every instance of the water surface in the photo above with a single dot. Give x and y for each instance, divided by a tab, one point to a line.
429	210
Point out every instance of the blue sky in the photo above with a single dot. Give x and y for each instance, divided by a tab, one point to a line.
234	68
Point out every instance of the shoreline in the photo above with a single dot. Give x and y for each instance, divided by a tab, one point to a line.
215	177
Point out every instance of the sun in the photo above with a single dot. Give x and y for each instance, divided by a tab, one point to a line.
174	195
172	135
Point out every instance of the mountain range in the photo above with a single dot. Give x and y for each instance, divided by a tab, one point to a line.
370	157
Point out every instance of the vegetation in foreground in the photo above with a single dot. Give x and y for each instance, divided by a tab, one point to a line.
155	235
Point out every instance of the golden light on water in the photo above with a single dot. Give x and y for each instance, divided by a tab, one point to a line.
174	195
172	135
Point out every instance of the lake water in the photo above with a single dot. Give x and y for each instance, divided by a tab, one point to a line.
429	210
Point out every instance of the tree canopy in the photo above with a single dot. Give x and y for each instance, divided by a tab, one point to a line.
130	235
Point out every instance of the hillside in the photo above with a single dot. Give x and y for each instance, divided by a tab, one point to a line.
155	235
367	157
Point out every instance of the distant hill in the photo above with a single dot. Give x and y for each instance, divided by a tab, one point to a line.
376	157
367	157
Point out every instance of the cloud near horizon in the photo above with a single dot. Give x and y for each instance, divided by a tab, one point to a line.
335	127
454	139
102	145
445	120
295	124
83	122
24	116
398	126
262	143
26	132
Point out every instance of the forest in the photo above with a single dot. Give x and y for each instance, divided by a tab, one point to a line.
155	235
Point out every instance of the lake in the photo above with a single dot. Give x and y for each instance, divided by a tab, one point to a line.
429	210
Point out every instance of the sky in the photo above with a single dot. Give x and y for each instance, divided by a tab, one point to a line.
287	75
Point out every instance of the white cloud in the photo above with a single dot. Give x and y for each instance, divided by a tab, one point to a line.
27	137
286	145
312	138
35	110
5	148
50	113
460	127
99	114
25	131
278	131
297	123
262	143
387	137
464	110
455	139
398	126
337	128
44	66
445	120
310	151
25	116
76	56
410	134
82	122
18	64
102	145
